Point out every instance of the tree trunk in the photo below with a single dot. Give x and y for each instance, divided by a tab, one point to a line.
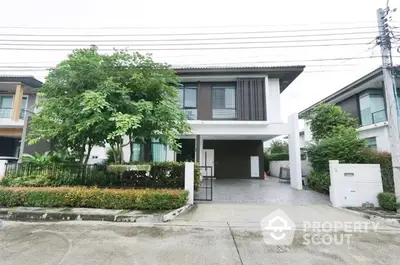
119	153
131	148
82	153
148	157
88	154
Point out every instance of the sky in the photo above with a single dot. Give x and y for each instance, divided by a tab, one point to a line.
276	27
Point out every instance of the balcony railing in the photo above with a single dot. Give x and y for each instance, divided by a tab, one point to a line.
191	114
224	114
378	116
6	113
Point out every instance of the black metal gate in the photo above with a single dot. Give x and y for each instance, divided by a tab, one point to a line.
205	191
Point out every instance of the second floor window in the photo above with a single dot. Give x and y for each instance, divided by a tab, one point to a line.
372	108
188	100
224	102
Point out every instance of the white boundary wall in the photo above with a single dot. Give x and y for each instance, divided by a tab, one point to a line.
354	184
274	167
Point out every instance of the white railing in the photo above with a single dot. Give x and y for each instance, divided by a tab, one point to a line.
5	113
224	114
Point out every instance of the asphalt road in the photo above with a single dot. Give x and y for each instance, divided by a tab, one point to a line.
114	243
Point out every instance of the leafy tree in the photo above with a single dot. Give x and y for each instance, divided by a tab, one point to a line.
278	147
325	118
149	97
93	99
71	113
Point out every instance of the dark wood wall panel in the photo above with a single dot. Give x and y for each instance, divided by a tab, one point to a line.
251	99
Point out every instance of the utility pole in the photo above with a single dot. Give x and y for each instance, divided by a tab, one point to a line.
391	100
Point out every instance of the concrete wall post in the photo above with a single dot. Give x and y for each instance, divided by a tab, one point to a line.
294	152
189	181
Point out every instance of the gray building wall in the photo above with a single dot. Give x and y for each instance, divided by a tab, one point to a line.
40	147
351	106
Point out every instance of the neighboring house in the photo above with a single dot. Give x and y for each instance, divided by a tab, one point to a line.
364	99
231	111
17	98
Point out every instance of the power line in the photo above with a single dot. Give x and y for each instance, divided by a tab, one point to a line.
305	72
175	44
190	39
197	48
45	68
183	34
170	40
183	27
279	61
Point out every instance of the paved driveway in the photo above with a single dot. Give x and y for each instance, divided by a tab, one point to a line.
256	191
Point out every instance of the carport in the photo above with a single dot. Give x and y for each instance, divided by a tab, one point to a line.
260	191
224	152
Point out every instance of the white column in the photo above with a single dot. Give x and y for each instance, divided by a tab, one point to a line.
189	181
170	154
273	99
2	168
201	160
333	178
294	152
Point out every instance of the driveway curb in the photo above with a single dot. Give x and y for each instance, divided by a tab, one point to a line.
175	213
377	218
78	214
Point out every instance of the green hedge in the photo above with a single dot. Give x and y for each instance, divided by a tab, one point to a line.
93	198
387	201
161	175
319	181
384	159
278	157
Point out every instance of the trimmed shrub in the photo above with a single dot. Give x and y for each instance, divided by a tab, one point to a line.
385	160
278	157
161	175
319	181
344	146
387	201
93	198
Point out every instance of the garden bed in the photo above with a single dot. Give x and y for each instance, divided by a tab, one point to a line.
134	199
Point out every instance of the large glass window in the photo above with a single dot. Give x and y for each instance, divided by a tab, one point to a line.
188	100
224	102
6	103
371	143
372	108
158	151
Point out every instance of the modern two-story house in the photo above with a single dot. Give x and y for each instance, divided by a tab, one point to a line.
231	111
18	95
364	99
